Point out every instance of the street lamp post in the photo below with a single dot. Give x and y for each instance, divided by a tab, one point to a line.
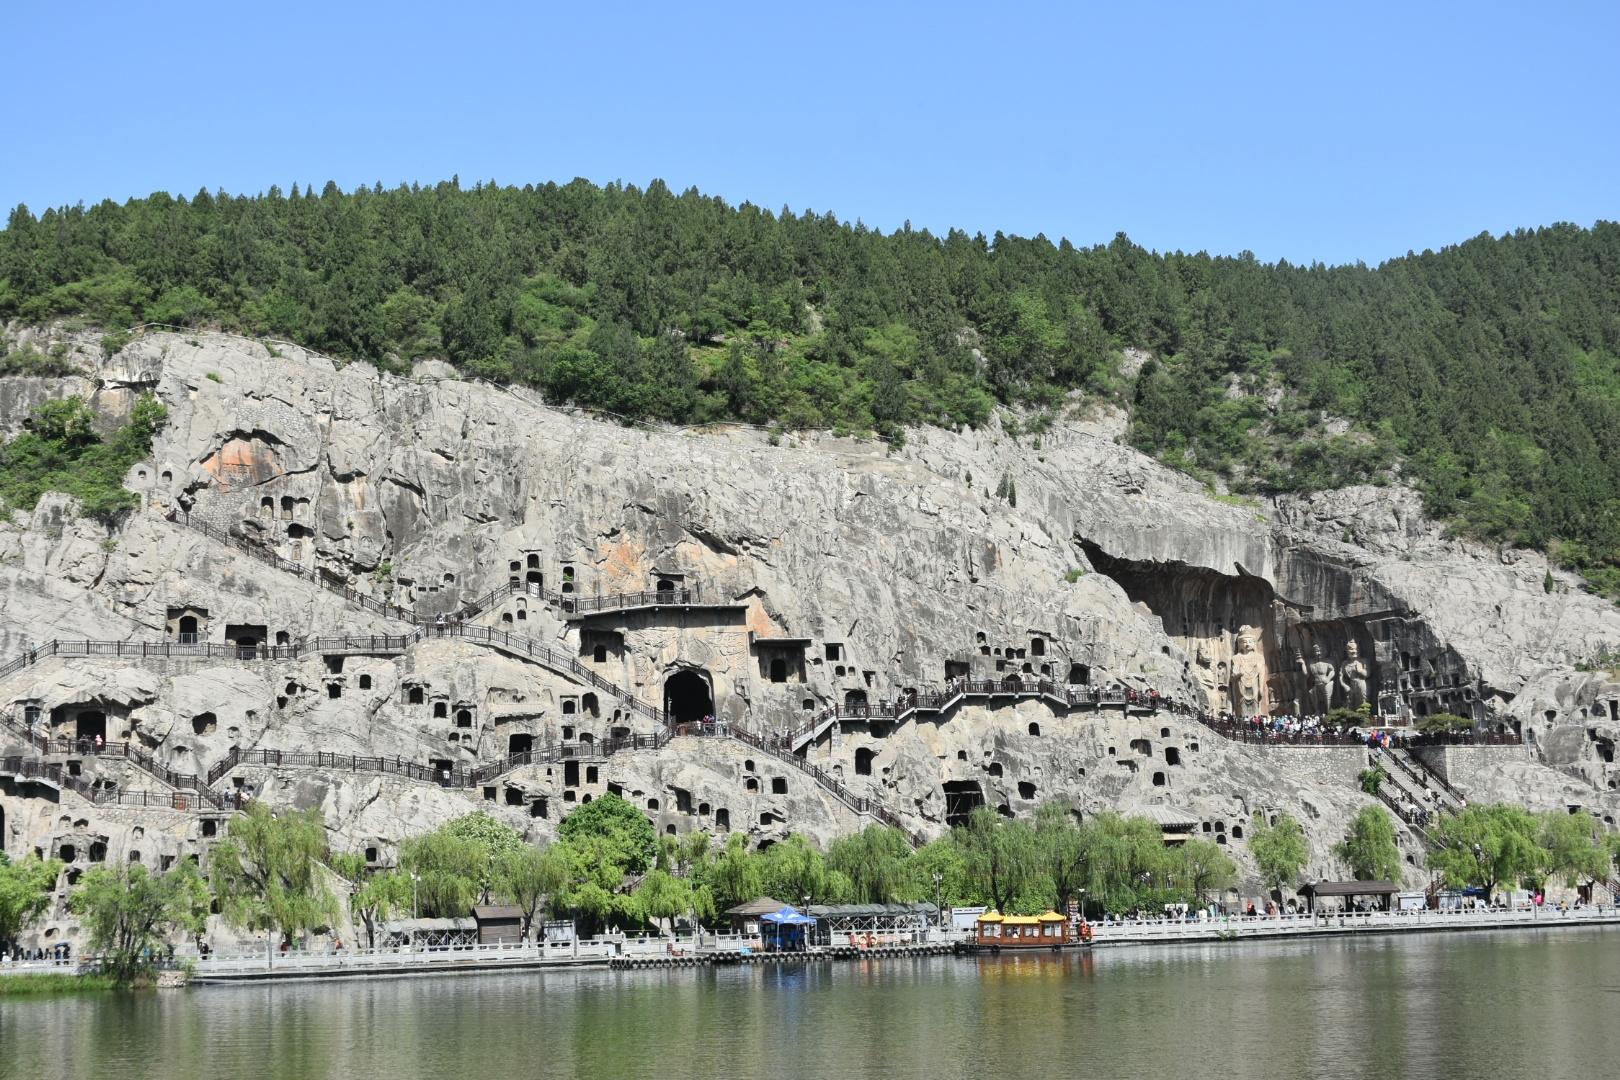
939	899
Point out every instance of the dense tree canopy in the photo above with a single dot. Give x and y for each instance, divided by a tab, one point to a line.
25	891
1488	373
1370	848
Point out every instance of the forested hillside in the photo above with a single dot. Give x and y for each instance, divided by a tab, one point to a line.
1485	373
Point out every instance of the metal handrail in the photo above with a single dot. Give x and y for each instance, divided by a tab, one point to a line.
161	650
574	602
647	598
858	803
1404	757
23	731
1247	731
961	688
202	798
450	778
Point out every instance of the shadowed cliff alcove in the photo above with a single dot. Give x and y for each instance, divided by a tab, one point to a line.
1205	613
687	697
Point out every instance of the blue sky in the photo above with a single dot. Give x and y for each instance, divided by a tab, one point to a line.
1331	132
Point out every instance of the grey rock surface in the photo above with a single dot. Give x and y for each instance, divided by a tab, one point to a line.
831	570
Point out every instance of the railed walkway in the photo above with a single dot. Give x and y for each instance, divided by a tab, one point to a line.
567	603
1246	731
518	645
960	690
622	952
372	644
786	747
348	644
1411	776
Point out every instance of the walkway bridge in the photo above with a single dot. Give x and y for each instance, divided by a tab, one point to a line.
957	692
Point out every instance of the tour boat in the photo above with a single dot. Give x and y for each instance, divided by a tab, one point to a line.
995	931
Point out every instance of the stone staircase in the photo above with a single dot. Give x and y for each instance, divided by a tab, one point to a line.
1422	780
954	694
188	792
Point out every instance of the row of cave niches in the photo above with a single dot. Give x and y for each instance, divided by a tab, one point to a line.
578	776
80	856
1024	659
962	797
291	517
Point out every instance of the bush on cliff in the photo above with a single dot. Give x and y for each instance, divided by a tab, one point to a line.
59	450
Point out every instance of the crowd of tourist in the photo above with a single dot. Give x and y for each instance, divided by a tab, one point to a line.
58	953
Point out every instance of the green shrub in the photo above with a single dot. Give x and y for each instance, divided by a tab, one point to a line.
1371	779
1440	723
31	362
60	451
54	982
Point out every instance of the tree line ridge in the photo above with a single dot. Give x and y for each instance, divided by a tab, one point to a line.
1486	374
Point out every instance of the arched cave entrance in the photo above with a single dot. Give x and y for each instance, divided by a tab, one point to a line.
519	744
188	629
687	697
91	724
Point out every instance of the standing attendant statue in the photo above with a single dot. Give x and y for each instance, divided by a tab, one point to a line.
1354	677
1207	679
1319	679
1248	677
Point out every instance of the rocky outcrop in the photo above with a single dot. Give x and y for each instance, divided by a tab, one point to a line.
815	571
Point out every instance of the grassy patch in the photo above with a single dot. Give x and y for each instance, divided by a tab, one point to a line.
53	982
1232	500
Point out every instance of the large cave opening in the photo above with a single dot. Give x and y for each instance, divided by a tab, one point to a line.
1252	650
1226	624
687	697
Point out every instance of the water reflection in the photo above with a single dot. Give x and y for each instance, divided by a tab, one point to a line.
1446	1005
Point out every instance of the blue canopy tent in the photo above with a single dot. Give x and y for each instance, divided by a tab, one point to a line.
784	930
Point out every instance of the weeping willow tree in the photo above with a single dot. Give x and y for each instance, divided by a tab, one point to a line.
269	872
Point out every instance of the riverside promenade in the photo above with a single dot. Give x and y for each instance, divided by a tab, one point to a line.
1334	924
623	951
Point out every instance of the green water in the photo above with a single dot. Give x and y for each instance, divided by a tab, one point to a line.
1520	1005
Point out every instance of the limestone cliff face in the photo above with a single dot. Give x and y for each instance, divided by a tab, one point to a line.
818	572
